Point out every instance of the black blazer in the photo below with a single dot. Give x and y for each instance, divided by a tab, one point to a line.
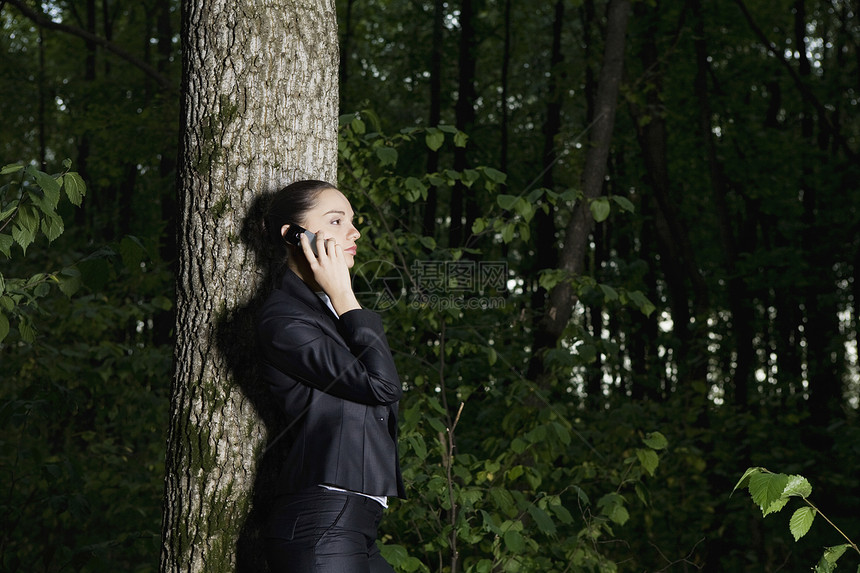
336	381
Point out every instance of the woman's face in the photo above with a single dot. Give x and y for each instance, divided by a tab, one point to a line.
332	215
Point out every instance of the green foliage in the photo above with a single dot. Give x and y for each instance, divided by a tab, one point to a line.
83	396
772	491
28	207
499	476
83	417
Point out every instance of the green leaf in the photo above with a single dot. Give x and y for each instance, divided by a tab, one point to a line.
48	184
437	425
766	491
4	326
23	236
542	519
832	554
460	139
648	459
394	554
494	175
6	242
655	440
624	203
518	445
492	356
10	208
506	202
52	226
132	251
612	505
600	209
469	176
387	155
798	486
415	189
69	281
641	302
28	218
744	481
434	139
357	126
75	188
11	168
418	446
27	332
609	293
563	514
801	521
514	541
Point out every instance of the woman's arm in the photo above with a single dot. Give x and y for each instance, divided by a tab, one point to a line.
364	371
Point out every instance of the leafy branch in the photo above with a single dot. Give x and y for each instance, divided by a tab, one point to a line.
772	491
28	206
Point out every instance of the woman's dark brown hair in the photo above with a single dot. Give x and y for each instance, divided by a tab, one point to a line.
289	206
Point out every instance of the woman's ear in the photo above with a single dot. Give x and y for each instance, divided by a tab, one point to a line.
284	229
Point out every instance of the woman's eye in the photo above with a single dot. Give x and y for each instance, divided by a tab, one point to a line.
336	222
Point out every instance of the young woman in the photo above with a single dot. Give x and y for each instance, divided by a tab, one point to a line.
329	366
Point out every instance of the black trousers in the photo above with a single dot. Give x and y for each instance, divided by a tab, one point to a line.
323	531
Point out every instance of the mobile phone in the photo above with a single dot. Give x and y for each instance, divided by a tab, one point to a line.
294	231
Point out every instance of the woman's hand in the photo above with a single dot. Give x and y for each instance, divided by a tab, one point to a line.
331	272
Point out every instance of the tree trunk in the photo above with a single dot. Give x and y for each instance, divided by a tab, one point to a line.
677	259
572	256
428	223
546	255
740	300
504	88
259	110
461	196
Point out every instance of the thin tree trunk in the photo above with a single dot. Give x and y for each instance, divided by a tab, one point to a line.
825	350
740	303
165	319
677	258
430	206
504	88
572	255
546	254
43	95
259	110
465	112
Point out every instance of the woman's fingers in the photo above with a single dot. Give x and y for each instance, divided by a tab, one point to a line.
306	248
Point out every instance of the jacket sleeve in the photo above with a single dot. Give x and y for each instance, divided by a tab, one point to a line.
362	371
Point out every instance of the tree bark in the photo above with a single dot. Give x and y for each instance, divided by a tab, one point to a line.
259	110
739	298
428	223
677	259
461	196
546	252
572	255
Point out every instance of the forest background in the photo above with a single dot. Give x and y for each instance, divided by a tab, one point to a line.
716	308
